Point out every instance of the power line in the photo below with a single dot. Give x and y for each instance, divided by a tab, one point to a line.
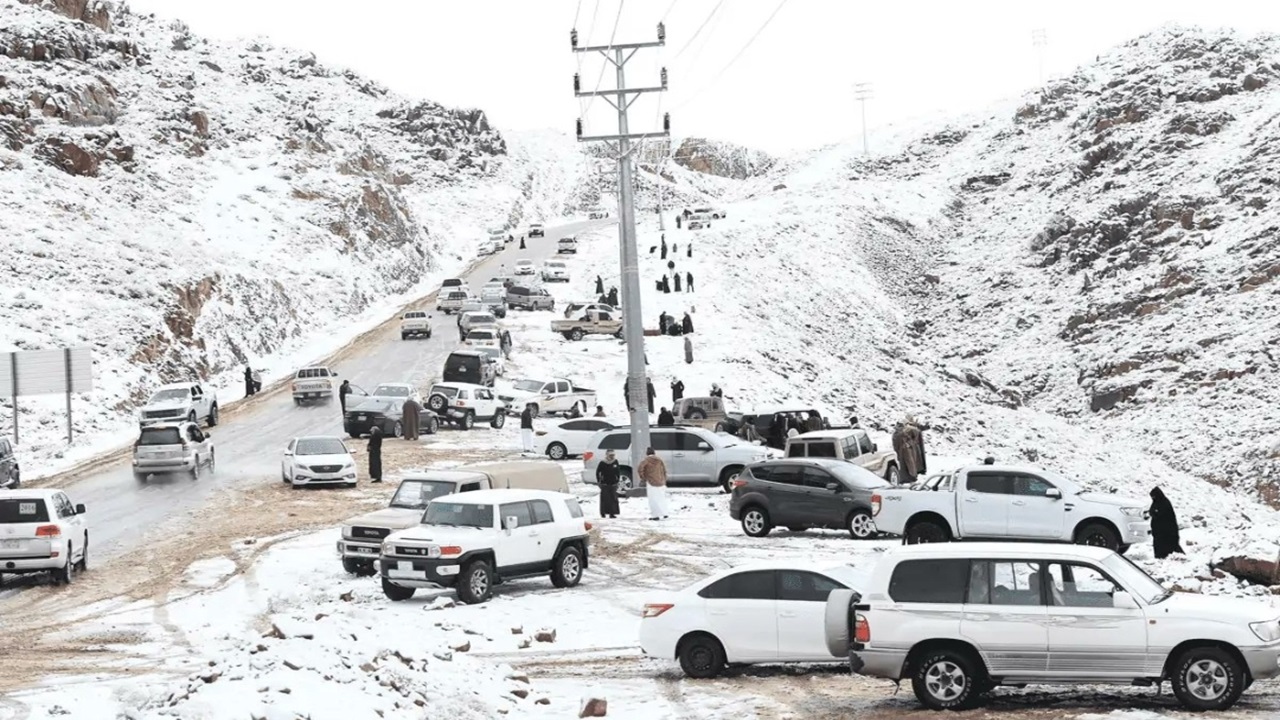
694	36
575	14
668	12
742	50
604	66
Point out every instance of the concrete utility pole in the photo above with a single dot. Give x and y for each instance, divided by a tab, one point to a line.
620	144
862	93
1039	39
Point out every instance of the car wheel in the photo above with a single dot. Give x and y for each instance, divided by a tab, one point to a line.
213	415
1098	535
860	525
696	414
394	592
567	569
475	585
1207	678
892	476
727	476
397	430
404	336
141	476
625	483
191	416
195	468
557	451
432	426
359	568
701	657
468	421
575	334
14	480
926	531
437	403
946	680
212	459
84	554
67	573
499	419
755	522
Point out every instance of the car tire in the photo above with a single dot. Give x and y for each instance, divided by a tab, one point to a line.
727	476
926	531
946	679
14	480
755	521
499	419
432	427
701	656
1207	679
475	583
575	334
437	403
359	568
213	415
191	416
1097	535
195	468
397	430
84	554
404	336
468	421
892	476
557	451
696	413
212	462
625	482
860	525
394	592
67	573
141	476
566	571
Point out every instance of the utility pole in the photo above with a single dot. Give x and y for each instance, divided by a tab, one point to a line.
620	144
862	93
1039	38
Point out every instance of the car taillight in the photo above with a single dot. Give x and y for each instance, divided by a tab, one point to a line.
295	386
462	403
450	550
653	610
861	628
587	524
875	504
49	531
586	456
738	483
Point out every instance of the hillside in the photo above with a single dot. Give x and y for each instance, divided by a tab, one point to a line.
186	207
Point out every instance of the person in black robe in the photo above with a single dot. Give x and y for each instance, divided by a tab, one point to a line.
677	222
689	251
686	325
663	320
666	284
665	418
1164	525
607	475
652	394
677	390
599	285
664	249
522	242
511	238
675	249
248	381
676	278
688	280
613	297
343	391
375	454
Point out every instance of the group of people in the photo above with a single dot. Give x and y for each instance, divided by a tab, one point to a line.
671	280
908	444
252	381
651	470
606	298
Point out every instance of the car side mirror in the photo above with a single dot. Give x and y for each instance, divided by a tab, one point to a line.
1123	601
80	509
833	487
875	447
704	446
288	453
511	522
1054	493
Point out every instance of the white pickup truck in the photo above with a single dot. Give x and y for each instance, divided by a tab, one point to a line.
557	395
1010	503
180	401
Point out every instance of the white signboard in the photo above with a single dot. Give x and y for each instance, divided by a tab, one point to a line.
46	372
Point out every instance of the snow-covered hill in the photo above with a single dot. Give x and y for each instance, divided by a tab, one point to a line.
185	207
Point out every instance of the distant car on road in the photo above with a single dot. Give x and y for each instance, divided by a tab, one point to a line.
597	214
536	230
463	405
525	267
387	415
567	245
313	383
698	221
41	531
452	300
318	460
180	447
415	323
529	298
713	213
555	271
483	336
471	366
180	401
399	392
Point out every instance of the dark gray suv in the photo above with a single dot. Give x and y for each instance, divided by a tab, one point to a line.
799	494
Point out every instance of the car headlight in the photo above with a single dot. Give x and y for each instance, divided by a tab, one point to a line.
299	466
346	532
1268	631
1134	512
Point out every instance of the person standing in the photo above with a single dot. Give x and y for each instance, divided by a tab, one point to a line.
654	474
522	242
676	282
511	238
375	454
686	325
677	390
652	394
689	253
343	391
666	284
663	321
1164	526
688	278
248	381
678	218
664	248
257	381
599	411
665	418
526	428
906	446
916	431
688	350
813	423
626	394
599	285
409	417
607	476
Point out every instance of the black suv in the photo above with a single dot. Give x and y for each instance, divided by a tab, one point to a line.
799	494
470	366
9	477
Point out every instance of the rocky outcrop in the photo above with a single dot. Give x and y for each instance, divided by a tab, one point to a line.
722	159
94	12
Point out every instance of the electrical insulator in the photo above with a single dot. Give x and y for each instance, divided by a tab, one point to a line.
662	32
666	122
577	82
579	122
664	78
573	37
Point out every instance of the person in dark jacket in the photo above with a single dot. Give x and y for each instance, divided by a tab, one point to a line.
343	391
607	476
248	381
675	249
813	423
1164	525
686	325
665	418
599	411
664	321
626	394
676	282
677	390
666	284
688	280
613	297
652	394
526	428
512	238
375	454
687	213
462	334
716	391
664	249
522	242
599	285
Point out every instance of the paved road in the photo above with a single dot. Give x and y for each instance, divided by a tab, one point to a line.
249	441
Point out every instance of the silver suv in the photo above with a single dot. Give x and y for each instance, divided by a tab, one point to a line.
691	454
180	447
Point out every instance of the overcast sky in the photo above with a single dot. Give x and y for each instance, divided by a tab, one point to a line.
791	88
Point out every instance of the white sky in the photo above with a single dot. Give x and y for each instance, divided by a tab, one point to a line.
792	88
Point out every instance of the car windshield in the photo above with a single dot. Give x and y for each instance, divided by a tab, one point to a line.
414	315
415	494
171	394
371	405
1135	579
455	514
391	391
160	436
320	446
482	319
313	373
23	510
445	390
481	335
524	262
532	386
855	476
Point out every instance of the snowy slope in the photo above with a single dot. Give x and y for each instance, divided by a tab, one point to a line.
185	207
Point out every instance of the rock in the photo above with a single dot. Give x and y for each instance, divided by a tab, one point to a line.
292	665
594	707
517	631
545	636
519	677
932	279
200	120
520	693
542	701
321	616
445	656
464	647
1251	570
284	628
368	667
525	643
70	157
347	596
210	677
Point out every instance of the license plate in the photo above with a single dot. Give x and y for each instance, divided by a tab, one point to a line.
364	550
362	417
9	544
403	566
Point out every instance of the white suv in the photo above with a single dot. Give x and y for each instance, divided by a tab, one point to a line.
415	323
41	531
472	541
961	619
691	454
555	271
567	245
180	401
462	404
174	448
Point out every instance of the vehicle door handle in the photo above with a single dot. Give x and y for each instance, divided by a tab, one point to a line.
717	612
1019	503
971	500
786	614
677	454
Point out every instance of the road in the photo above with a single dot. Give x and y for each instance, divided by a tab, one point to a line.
250	438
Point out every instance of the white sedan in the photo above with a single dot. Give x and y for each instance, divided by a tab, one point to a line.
318	460
762	613
525	267
569	438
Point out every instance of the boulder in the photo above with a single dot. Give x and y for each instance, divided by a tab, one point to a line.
1254	570
594	707
545	636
